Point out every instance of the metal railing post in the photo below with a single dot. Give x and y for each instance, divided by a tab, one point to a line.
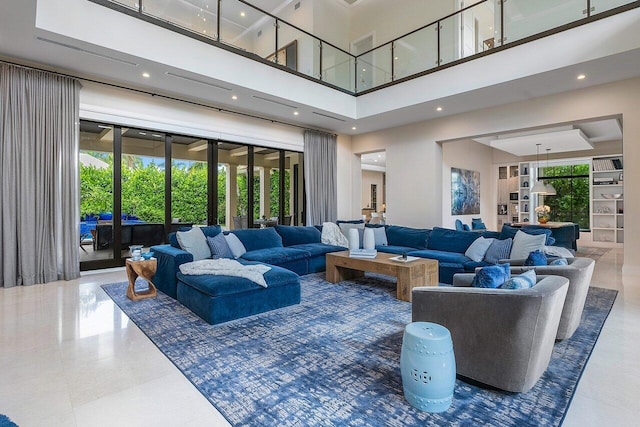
218	19
393	61
439	60
355	74
502	23
140	6
320	59
275	24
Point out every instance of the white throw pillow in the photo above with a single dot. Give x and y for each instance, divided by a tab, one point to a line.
478	249
195	242
524	244
236	246
380	236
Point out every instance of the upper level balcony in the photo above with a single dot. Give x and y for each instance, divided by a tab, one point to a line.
479	29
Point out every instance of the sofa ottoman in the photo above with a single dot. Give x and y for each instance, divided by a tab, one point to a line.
218	299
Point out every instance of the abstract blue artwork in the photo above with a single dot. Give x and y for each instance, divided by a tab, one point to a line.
465	192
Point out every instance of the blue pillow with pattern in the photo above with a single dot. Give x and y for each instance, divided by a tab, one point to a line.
525	280
536	258
491	276
499	249
219	247
559	261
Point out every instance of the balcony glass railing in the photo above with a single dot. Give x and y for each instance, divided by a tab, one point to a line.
255	33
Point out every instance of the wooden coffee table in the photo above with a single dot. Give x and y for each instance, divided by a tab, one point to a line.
145	268
421	272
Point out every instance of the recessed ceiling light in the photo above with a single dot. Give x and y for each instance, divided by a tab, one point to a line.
234	97
581	77
379	155
354	128
295	113
104	127
395	58
439	109
146	75
242	14
142	133
157	135
375	160
491	28
364	69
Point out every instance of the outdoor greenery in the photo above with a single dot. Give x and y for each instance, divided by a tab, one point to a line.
143	190
571	203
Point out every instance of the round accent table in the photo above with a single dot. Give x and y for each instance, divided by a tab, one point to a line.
428	366
145	268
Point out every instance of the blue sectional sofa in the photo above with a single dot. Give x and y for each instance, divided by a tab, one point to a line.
292	251
442	244
289	251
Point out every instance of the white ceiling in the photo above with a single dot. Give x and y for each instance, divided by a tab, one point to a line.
558	139
374	161
19	43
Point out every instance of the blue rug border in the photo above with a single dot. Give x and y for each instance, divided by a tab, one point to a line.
586	362
221	412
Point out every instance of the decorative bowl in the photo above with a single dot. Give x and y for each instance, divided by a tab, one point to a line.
611	196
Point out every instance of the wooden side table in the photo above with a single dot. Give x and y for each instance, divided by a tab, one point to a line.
145	268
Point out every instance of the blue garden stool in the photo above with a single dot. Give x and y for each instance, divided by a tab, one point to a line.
428	366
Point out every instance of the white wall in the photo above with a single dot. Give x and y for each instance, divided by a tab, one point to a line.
348	167
469	155
415	194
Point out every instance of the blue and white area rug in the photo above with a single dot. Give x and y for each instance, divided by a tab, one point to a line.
334	359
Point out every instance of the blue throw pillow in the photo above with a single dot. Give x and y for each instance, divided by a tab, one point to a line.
477	224
219	247
525	280
559	261
536	258
492	276
499	249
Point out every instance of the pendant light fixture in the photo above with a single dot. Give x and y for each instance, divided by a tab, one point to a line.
551	191
539	187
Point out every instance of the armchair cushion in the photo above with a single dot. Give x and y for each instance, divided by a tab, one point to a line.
259	238
492	276
559	261
536	258
525	280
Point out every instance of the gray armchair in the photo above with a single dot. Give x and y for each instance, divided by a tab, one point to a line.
501	337
579	272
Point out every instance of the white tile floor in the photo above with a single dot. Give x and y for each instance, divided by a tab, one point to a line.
70	357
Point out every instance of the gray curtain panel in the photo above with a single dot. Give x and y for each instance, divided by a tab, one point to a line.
320	171
39	215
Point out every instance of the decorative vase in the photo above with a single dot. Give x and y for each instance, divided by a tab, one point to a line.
368	240
354	239
543	220
136	252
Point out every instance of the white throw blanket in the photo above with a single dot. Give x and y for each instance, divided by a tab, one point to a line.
226	267
331	235
558	251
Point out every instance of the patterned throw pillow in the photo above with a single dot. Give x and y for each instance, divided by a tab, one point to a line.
536	258
492	276
499	249
525	280
219	247
559	261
